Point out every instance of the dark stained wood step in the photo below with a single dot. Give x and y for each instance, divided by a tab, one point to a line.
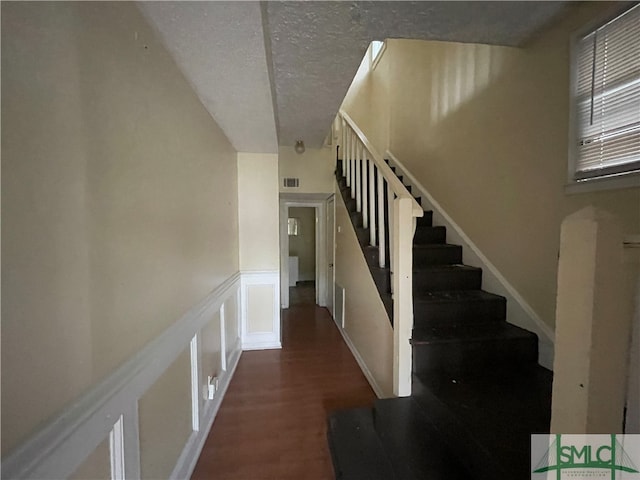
356	450
429	235
411	443
436	254
465	349
457	307
426	220
446	277
488	419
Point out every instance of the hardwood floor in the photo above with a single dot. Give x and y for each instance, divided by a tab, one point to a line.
272	422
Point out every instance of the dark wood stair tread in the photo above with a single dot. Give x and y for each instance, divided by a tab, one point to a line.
356	450
446	268
412	444
489	418
498	331
455	296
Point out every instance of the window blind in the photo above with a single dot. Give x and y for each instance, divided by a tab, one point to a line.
608	98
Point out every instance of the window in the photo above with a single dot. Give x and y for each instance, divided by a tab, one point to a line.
606	100
377	48
293	227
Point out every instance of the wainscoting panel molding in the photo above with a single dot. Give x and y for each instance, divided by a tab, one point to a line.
260	310
110	409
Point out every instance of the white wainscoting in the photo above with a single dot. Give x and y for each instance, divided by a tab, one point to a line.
110	409
260	310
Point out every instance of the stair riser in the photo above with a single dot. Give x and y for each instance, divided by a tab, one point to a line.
388	305
429	281
356	219
363	236
423	257
382	279
458	358
426	220
458	313
372	256
427	235
350	203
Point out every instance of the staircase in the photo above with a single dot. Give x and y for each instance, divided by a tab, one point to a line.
478	392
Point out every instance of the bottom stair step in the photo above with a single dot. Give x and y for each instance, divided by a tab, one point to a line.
488	419
355	447
411	443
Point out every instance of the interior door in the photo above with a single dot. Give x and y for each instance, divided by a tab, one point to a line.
330	255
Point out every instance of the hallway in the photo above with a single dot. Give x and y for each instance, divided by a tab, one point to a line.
272	422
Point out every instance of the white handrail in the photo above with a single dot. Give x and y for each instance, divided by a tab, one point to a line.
361	161
399	189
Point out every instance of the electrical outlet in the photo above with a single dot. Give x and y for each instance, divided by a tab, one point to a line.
211	387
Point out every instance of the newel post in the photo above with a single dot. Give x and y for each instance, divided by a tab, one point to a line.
593	326
402	295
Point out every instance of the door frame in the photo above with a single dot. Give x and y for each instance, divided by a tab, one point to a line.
331	255
319	203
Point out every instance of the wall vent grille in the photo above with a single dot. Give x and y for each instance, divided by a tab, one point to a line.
291	182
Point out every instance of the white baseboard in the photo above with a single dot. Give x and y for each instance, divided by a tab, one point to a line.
363	366
519	312
261	345
191	452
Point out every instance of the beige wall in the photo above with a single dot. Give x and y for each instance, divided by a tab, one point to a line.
366	322
165	420
97	466
119	200
485	130
368	100
314	168
303	245
258	211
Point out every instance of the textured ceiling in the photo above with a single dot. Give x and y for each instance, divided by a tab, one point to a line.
317	46
219	46
312	51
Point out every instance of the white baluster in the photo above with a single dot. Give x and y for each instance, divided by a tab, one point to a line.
343	147
365	183
391	233
347	155
372	202
359	177
353	165
381	234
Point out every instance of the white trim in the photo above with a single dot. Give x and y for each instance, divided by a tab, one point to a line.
191	452
519	312
331	254
195	384
116	450
131	438
319	203
363	366
375	60
61	446
223	340
599	184
260	340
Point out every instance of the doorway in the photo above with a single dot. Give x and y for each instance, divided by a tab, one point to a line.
317	203
301	230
